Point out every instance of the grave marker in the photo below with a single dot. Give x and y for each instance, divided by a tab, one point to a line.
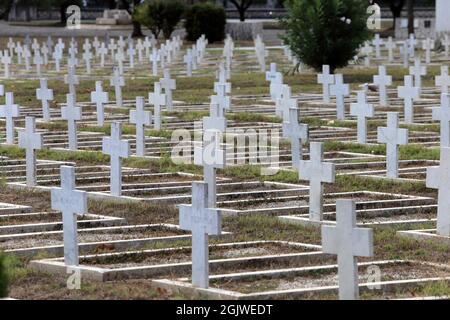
315	171
347	242
326	79
117	81
443	80
442	114
71	113
409	93
99	97
157	99
297	133
340	91
382	80
392	136
362	110
30	140
9	111
140	118
45	95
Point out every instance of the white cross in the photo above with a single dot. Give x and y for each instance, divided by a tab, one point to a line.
112	47
157	99
87	56
390	45
71	113
284	103
418	71
147	45
222	100
117	149
409	93
276	86
99	97
367	50
19	52
188	59
11	46
102	51
382	80
439	178
154	58
393	137
6	61
405	52
140	118
347	242
340	91
362	110
326	79
120	57
270	75
45	52
30	141
168	85
412	42
131	53
377	42
9	111
57	56
45	95
446	43
2	90
428	45
315	171
37	60
443	80
442	114
297	133
70	202
72	80
27	56
117	81
201	221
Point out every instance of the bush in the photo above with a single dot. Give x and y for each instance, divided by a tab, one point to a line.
326	31
3	276
160	15
207	19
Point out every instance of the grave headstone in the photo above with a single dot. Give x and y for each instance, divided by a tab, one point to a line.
9	111
140	118
297	133
117	81
362	110
71	113
326	79
157	99
382	80
443	80
442	114
31	141
340	90
99	97
45	95
409	93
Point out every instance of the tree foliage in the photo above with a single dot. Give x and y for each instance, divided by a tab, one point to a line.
207	19
3	276
160	15
242	7
326	31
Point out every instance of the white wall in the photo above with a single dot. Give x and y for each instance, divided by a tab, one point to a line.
442	15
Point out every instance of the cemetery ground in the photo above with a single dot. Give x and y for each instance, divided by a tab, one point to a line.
128	243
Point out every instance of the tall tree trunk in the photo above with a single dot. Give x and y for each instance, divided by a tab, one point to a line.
62	12
241	11
137	30
410	16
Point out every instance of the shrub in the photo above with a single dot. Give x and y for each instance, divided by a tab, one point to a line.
207	19
326	31
3	276
160	15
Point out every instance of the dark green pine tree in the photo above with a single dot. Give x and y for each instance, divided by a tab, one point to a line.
326	31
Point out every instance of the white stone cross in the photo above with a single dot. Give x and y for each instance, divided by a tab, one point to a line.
284	103
427	45
154	58
442	114
71	113
27	56
418	71
362	110
340	90
2	90
409	93
347	242
57	56
367	51
297	133
393	137
140	118
377	42
9	111
157	99
201	221
70	202
443	80
72	80
38	61
390	46
168	85
412	42
99	97
87	56
45	95
316	172
140	49
439	178
102	51
276	87
117	149
6	61
131	51
188	59
117	81
120	57
382	80
326	79
405	52
30	140
446	43
270	75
